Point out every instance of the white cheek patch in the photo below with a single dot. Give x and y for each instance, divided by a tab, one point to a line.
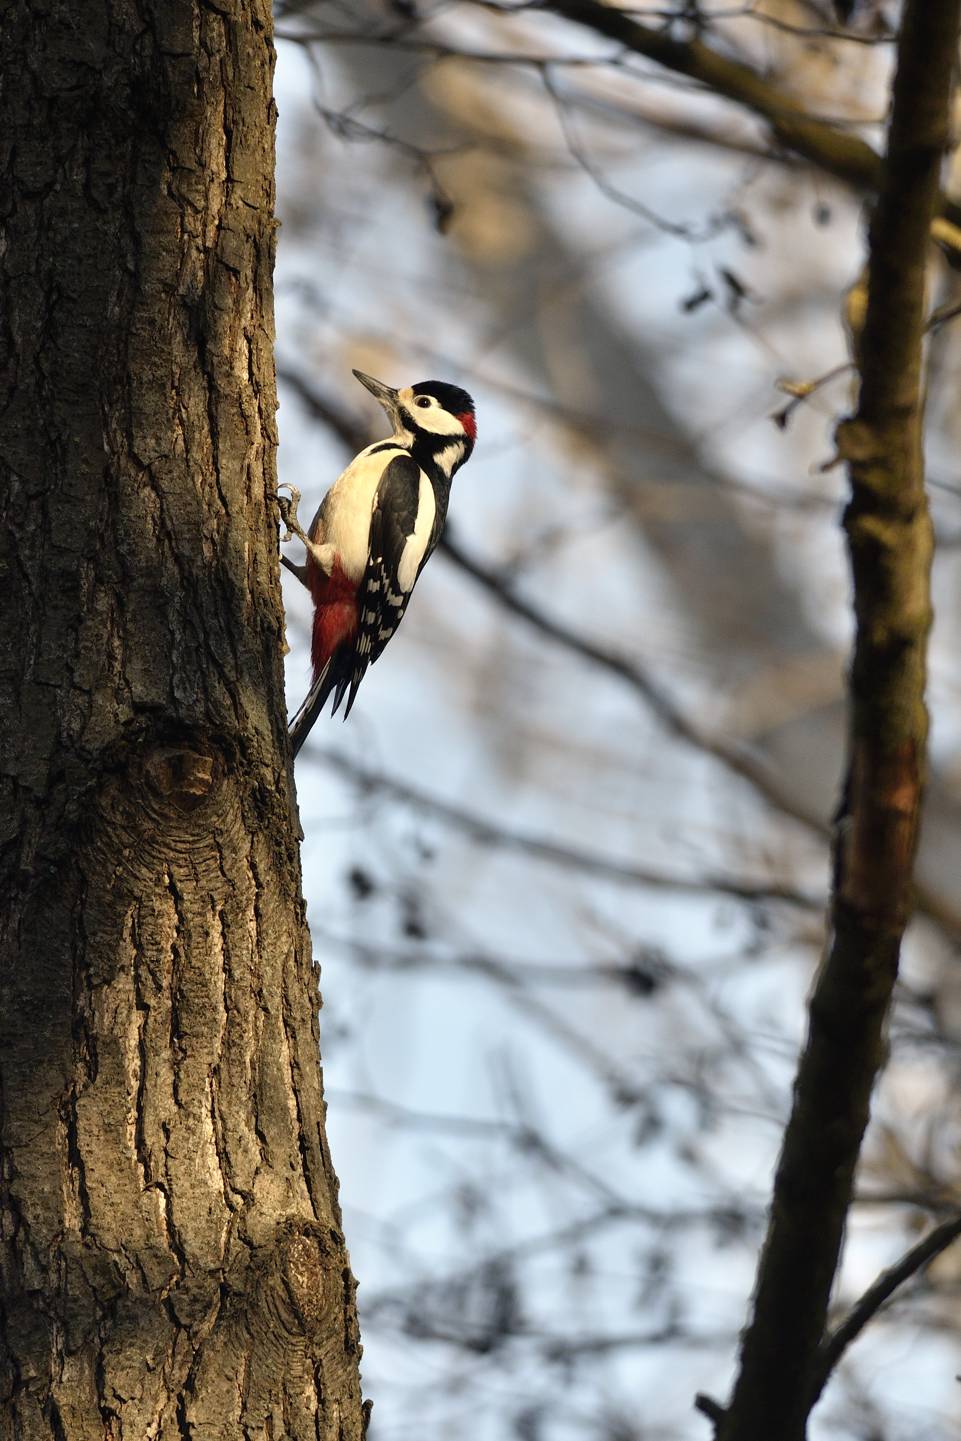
436	420
416	546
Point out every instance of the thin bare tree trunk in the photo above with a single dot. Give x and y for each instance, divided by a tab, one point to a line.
890	543
171	1261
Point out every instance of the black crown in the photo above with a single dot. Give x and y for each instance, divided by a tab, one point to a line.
451	397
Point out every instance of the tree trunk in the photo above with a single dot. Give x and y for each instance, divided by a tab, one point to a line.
172	1262
890	543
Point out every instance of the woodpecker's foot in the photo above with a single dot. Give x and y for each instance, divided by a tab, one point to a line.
287	506
322	555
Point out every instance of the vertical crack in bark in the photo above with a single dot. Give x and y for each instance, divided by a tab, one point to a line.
142	1010
291	989
234	1195
260	1016
177	940
75	1164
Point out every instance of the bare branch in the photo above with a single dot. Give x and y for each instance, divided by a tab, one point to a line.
606	187
828	145
835	151
641	976
880	1291
485	832
879	36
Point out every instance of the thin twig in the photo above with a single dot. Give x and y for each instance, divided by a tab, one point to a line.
835	151
486	832
880	1291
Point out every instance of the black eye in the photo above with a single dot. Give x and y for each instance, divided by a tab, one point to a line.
422	401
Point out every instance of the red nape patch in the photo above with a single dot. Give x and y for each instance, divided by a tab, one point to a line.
335	612
467	420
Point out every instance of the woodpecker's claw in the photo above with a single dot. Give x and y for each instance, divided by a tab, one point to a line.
323	556
287	505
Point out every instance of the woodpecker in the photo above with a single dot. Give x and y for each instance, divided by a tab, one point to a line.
373	534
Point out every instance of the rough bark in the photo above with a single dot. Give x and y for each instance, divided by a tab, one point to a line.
171	1260
889	538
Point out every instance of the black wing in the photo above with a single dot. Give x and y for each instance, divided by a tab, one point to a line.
381	599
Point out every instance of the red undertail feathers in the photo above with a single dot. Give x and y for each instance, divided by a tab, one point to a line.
335	613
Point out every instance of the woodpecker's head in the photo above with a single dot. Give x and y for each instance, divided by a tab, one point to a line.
433	417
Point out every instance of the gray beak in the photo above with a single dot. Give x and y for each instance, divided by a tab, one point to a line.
385	394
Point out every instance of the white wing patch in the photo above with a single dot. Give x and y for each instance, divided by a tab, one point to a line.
413	552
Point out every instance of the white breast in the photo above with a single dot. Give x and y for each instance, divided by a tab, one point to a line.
344	518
